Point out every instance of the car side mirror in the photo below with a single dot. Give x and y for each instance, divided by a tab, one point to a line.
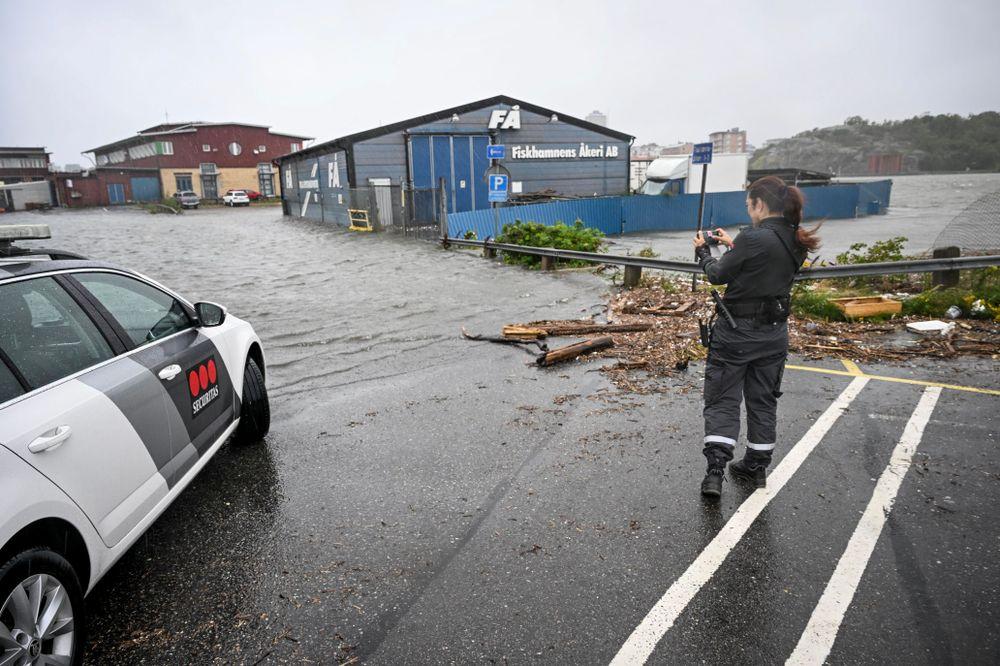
210	314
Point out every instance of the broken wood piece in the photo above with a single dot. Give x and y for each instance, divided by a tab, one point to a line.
523	332
504	341
585	329
569	352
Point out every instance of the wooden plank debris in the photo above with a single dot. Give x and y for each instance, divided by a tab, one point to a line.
569	352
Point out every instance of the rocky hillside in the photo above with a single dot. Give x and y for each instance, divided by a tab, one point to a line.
927	144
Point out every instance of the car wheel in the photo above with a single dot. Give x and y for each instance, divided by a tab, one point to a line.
255	412
42	615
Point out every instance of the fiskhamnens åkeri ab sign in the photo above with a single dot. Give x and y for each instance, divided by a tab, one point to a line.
583	151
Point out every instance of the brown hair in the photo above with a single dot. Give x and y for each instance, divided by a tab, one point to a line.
786	200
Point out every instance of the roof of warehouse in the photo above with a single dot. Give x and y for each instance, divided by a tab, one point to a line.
345	141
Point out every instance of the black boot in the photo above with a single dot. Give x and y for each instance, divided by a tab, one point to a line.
711	486
752	468
717	455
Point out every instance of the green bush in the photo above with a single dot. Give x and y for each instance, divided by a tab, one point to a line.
648	253
470	235
170	205
878	251
559	236
978	296
883	250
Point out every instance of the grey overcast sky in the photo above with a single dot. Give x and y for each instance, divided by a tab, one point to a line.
79	74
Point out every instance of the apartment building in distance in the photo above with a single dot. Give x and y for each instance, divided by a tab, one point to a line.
205	157
729	141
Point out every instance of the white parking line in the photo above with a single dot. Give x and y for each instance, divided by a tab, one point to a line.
658	621
817	640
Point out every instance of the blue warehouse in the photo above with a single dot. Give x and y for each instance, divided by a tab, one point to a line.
409	172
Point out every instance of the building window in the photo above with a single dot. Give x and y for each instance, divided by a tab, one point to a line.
235	149
208	169
165	147
183	182
205	148
295	147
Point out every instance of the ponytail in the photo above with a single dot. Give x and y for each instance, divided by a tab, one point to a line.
787	200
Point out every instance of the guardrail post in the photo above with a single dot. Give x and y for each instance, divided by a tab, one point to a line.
548	263
946	278
488	252
633	274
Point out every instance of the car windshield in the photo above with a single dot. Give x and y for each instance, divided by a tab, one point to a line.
653	186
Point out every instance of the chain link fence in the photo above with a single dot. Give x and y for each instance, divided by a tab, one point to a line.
976	230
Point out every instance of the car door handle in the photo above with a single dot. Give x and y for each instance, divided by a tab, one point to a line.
46	442
170	372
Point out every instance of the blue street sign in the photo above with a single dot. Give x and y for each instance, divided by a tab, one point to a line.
498	187
496	151
702	153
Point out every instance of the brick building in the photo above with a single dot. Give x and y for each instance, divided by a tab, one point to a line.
208	158
23	165
729	141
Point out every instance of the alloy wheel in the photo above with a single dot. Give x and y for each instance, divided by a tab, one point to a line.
36	624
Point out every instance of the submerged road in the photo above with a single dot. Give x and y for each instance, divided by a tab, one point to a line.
426	499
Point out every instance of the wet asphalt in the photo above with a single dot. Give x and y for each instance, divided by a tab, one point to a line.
426	499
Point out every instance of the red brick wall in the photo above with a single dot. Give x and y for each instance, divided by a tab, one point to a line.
188	150
93	188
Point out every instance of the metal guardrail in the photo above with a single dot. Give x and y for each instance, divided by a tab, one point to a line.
820	273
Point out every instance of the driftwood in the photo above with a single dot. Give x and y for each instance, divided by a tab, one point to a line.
660	311
572	351
565	328
504	340
523	332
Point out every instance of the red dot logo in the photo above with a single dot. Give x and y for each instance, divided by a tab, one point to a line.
211	371
203	377
194	384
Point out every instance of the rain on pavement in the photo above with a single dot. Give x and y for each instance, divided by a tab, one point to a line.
426	499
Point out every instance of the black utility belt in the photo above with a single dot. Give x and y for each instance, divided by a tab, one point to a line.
770	310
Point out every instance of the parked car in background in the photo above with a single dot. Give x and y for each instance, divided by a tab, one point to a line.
114	393
254	195
236	198
187	199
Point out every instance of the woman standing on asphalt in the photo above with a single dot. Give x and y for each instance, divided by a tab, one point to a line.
745	362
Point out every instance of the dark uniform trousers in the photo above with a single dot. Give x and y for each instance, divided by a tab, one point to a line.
743	366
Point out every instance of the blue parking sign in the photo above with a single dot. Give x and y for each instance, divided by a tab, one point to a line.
498	187
702	153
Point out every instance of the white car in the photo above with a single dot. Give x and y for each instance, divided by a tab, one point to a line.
114	393
236	198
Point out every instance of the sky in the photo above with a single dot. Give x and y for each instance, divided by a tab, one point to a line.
77	75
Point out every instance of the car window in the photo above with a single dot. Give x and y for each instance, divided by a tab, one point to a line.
145	312
9	386
46	335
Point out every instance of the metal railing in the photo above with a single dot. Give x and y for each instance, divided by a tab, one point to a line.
821	273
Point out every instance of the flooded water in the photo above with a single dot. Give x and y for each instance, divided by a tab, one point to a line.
921	206
330	306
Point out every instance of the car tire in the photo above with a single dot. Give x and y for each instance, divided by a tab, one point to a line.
255	410
39	565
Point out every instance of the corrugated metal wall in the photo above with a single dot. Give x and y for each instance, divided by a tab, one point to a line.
316	188
615	215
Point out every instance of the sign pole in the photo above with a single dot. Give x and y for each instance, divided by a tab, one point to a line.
701	213
702	155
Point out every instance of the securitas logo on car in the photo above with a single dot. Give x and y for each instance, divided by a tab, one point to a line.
203	382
